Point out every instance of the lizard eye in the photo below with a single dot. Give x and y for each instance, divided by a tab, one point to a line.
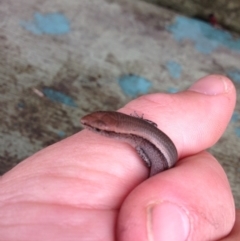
97	130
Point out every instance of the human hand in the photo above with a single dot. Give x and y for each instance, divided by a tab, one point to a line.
88	187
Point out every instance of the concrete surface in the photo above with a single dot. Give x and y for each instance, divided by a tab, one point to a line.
226	12
62	59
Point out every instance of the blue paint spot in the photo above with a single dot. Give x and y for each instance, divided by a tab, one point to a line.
61	133
206	37
235	117
59	97
134	85
172	90
174	69
237	131
49	23
234	75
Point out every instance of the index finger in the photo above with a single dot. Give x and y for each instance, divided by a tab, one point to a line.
194	119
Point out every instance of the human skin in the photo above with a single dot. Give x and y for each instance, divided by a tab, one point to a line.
89	187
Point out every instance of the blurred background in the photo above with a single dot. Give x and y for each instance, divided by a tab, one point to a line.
62	59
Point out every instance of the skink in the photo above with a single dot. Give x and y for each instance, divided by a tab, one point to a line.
153	146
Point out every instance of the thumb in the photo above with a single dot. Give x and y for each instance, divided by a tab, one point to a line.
192	201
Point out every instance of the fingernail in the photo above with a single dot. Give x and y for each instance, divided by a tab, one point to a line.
211	85
167	221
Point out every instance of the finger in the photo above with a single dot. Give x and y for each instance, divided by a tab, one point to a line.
192	201
235	232
194	119
189	118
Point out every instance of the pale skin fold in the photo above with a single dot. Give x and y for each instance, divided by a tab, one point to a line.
153	146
